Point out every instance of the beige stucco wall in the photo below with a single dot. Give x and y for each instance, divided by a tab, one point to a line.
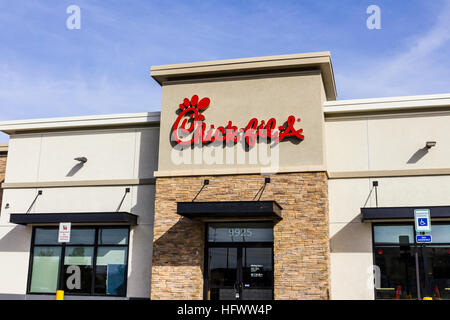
350	240
241	98
113	155
14	257
390	142
361	145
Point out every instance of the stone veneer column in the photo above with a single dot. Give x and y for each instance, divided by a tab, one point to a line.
301	249
2	175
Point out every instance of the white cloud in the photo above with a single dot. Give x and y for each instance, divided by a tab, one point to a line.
417	69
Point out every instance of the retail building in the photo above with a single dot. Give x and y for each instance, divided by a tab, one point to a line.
253	182
3	155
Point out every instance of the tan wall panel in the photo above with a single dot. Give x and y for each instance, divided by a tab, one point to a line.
140	261
19	201
146	153
350	239
398	143
2	175
23	158
346	145
346	197
112	154
239	100
139	201
351	276
14	257
413	191
395	142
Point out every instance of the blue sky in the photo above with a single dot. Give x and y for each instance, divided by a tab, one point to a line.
47	70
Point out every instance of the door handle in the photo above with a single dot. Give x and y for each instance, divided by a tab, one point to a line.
236	286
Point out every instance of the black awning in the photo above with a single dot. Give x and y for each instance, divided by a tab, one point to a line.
437	212
230	209
124	218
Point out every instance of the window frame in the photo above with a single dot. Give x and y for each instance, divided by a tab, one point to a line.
412	245
406	223
414	233
211	243
63	246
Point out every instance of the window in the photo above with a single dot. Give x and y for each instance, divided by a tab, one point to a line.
393	234
399	260
94	262
240	232
441	233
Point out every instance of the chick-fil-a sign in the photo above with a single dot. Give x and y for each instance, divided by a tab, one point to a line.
190	123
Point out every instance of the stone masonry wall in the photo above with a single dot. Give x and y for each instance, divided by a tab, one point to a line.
2	174
301	251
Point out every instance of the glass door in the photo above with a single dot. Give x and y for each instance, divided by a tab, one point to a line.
223	274
397	273
239	261
257	274
240	273
434	265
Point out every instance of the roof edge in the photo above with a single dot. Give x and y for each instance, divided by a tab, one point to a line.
263	65
250	60
107	120
432	102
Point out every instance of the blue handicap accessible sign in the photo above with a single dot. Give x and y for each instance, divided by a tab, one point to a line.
423	239
423	221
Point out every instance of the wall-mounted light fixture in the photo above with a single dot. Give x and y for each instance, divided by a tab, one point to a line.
81	159
430	144
261	190
205	183
39	193
374	186
127	190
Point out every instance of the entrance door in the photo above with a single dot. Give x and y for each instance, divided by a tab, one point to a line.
239	261
256	282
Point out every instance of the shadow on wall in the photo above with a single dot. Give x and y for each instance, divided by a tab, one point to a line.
141	236
172	250
75	169
419	154
354	237
15	239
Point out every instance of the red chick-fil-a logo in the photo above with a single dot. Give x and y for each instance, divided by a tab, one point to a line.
190	122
